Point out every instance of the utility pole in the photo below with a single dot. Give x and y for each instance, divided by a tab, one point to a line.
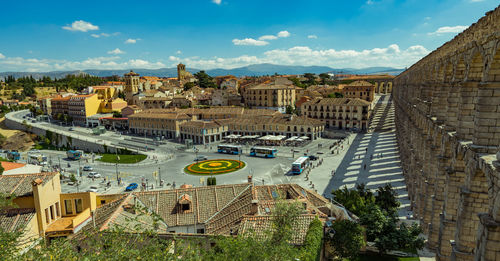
159	176
116	170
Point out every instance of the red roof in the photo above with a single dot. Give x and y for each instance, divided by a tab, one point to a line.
6	165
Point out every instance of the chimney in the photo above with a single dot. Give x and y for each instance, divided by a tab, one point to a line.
250	179
92	214
255	207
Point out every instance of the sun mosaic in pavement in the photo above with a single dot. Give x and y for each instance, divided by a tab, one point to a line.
214	167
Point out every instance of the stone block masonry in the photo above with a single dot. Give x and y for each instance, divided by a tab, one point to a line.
448	131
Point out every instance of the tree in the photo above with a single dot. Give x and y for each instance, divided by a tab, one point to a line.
374	221
405	238
204	80
346	238
291	110
188	85
121	94
386	198
335	95
1	169
117	114
354	200
297	82
324	77
311	78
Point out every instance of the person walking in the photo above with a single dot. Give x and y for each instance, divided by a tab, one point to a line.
365	166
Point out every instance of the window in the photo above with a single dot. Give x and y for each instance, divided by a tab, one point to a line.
200	231
47	219
58	212
185	207
103	202
68	207
78	205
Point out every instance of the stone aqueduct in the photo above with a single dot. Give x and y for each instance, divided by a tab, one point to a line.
448	129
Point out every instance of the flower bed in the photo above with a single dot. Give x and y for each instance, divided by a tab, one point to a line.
214	167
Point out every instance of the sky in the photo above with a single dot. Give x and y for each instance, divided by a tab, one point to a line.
50	35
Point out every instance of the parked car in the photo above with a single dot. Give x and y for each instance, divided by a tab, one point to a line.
33	121
312	157
94	174
93	189
131	187
88	168
200	158
71	129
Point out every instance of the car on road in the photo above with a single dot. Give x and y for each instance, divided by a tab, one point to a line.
312	157
131	187
94	174
200	158
93	189
71	129
33	121
88	168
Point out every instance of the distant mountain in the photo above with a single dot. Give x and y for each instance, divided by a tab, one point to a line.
250	70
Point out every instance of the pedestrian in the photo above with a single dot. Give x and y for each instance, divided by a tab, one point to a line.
371	156
365	167
366	149
381	155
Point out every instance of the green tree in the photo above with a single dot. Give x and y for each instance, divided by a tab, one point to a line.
324	78
291	110
335	95
386	198
346	238
1	169
354	200
188	86
297	82
374	221
121	94
204	80
311	79
117	114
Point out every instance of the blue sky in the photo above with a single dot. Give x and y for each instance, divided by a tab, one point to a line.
205	34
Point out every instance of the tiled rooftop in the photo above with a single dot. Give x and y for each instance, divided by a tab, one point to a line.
21	185
16	218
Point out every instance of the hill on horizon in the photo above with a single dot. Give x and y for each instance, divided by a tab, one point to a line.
250	70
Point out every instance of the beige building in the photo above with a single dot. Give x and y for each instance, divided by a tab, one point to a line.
157	123
359	89
275	97
203	132
341	113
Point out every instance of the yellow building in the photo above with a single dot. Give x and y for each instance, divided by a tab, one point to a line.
359	89
82	106
275	97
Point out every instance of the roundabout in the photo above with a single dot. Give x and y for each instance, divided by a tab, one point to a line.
214	167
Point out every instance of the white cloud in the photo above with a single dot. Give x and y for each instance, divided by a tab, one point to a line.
116	51
476	1
369	2
132	41
283	34
391	56
268	37
2	56
449	29
178	52
249	41
44	65
81	26
262	40
312	36
217	2
174	58
101	35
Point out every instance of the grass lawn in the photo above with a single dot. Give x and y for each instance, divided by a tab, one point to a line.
371	257
124	159
214	167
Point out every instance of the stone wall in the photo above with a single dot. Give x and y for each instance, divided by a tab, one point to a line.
74	142
448	130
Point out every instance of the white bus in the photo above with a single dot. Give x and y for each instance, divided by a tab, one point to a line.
263	152
300	165
229	149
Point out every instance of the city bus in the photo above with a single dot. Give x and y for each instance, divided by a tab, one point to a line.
229	149
300	165
263	152
74	154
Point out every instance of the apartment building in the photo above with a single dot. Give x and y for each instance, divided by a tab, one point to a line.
157	123
359	89
270	96
82	106
341	113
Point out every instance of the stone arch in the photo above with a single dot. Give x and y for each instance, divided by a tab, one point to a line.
448	71
381	87
440	73
460	69
493	73
475	66
376	87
